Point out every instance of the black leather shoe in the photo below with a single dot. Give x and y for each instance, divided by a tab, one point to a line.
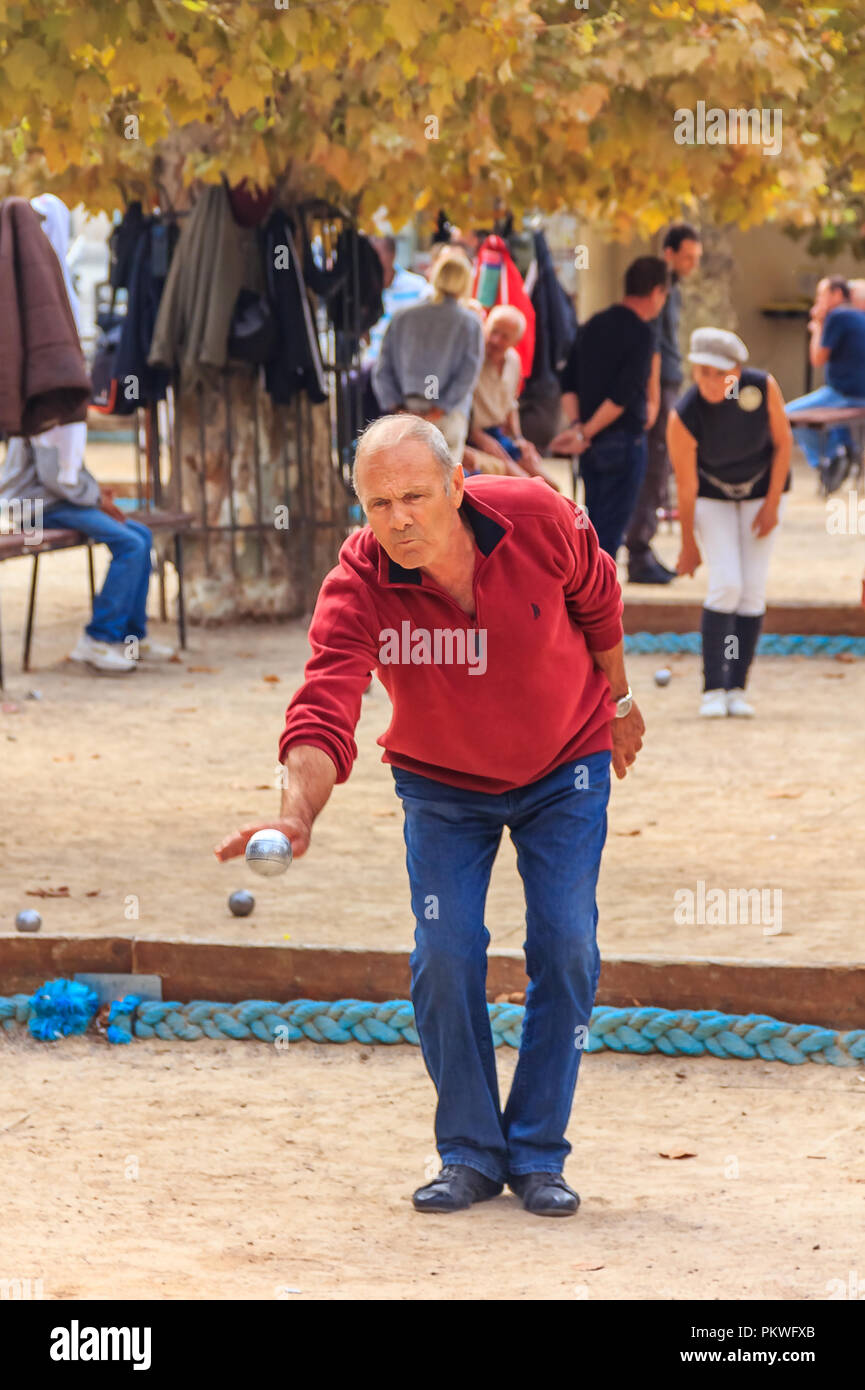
456	1187
649	570
545	1194
836	471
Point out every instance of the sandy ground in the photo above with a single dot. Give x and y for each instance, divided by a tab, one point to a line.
122	789
229	1170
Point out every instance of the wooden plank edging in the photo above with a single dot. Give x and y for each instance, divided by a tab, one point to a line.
828	994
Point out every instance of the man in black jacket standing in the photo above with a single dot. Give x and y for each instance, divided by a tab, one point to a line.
681	251
605	387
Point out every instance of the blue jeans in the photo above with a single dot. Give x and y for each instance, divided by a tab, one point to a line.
809	439
558	826
510	448
120	608
612	469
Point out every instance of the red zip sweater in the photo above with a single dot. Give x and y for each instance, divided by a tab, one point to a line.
492	710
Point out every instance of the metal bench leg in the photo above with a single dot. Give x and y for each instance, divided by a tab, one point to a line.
163	610
31	607
89	549
181	607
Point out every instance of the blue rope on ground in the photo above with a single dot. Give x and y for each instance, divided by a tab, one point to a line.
770	644
675	1033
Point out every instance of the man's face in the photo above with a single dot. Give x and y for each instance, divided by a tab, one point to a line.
499	335
826	299
684	261
715	383
403	494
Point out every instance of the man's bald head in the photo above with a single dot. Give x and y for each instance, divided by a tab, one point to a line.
385	436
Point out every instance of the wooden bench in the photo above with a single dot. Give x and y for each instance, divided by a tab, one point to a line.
15	545
828	417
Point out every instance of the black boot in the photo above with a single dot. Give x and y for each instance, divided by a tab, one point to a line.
747	637
717	629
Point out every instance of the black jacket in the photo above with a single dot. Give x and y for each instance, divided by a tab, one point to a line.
555	319
296	364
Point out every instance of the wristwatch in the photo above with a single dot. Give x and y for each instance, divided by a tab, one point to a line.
625	705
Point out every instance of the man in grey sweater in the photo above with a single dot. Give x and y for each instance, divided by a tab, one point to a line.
52	478
431	355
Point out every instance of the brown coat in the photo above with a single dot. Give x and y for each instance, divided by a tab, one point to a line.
43	375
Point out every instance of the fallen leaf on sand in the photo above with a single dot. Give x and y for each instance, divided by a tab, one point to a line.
782	796
208	670
272	680
93	892
677	1153
186	709
64	758
61	892
628	832
584	1264
834	675
844	656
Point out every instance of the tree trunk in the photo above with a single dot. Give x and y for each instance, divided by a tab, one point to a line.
239	461
707	295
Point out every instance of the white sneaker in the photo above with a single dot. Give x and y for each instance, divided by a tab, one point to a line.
148	650
714	705
738	705
108	657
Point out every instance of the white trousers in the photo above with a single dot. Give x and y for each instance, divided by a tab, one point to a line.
737	558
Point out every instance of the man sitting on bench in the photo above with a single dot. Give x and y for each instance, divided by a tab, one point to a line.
837	342
50	470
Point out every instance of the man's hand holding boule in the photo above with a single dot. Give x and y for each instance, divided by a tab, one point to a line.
310	780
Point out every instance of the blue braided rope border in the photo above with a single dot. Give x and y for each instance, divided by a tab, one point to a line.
57	1009
770	644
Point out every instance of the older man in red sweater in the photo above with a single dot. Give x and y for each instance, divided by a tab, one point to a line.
493	620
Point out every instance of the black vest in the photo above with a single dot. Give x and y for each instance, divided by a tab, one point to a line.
734	439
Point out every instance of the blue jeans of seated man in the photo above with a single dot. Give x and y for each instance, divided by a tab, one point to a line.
612	469
120	608
809	439
505	440
558	826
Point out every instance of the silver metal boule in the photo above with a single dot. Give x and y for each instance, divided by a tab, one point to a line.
663	677
268	852
28	919
241	902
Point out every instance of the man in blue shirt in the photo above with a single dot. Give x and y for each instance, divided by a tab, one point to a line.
837	333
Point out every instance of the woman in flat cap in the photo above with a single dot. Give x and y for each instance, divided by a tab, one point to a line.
730	445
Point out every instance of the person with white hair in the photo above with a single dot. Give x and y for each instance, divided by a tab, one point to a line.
494	621
495	420
730	444
431	354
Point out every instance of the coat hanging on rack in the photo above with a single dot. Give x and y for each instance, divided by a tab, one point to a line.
43	375
296	363
214	260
